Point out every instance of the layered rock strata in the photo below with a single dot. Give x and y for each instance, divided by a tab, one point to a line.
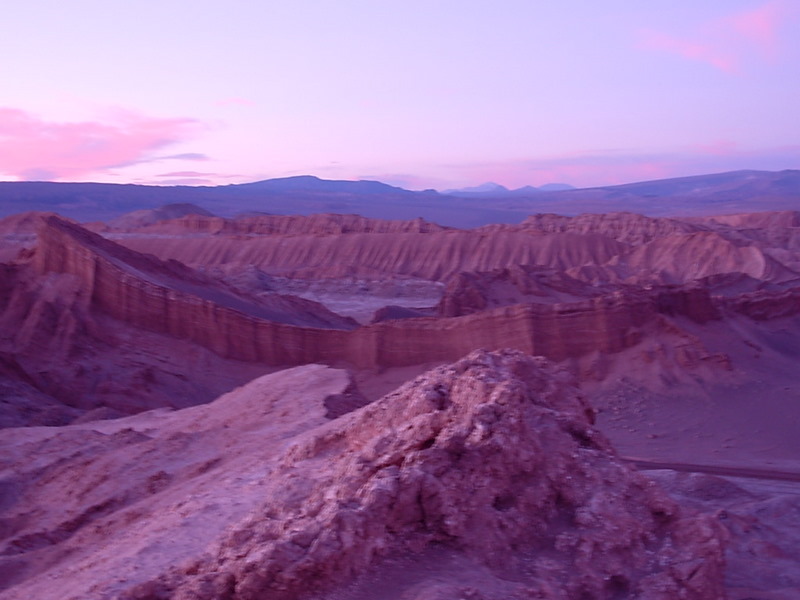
169	298
164	296
433	256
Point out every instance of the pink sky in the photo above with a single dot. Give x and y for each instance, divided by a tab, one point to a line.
420	94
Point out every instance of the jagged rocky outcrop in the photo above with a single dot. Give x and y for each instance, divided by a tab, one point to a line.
492	460
485	479
18	233
467	293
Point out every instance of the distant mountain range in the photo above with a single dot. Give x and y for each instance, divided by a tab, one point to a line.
732	192
490	189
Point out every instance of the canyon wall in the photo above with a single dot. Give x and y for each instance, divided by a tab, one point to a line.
168	298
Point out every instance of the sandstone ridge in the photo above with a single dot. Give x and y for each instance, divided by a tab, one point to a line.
170	298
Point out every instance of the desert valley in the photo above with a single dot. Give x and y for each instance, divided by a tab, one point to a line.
308	390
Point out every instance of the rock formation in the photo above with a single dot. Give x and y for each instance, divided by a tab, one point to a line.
433	255
169	298
484	479
625	227
151	293
467	293
672	326
319	224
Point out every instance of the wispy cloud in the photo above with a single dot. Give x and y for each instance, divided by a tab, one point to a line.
726	43
719	57
759	26
187	174
187	156
32	148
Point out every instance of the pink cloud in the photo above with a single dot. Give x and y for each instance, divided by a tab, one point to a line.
759	25
728	42
32	148
187	156
691	49
185	174
718	148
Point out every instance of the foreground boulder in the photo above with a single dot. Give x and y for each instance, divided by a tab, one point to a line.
491	465
484	479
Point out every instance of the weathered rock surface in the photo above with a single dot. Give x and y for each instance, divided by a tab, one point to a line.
616	248
684	258
18	233
159	295
467	293
765	305
763	524
61	357
491	464
86	507
319	224
626	227
434	256
393	313
143	218
51	311
169	298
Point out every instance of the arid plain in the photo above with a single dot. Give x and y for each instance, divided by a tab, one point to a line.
333	406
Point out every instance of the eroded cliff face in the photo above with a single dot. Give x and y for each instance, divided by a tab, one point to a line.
65	357
483	479
156	294
170	298
68	308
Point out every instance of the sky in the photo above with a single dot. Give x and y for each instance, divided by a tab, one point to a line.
420	93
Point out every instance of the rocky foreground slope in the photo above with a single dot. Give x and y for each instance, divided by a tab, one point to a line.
682	332
484	479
